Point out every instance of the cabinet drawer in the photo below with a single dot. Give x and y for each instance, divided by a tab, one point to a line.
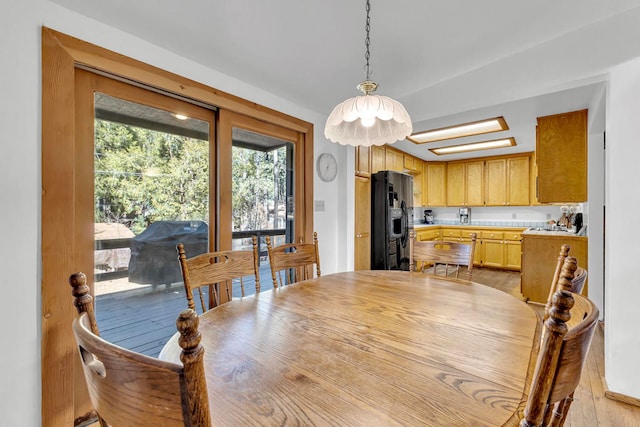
428	235
508	235
495	235
467	234
450	233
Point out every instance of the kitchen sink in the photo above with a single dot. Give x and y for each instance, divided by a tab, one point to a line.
549	229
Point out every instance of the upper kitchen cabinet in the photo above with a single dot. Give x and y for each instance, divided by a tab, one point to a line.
394	160
507	181
416	171
561	158
363	161
465	183
434	184
377	158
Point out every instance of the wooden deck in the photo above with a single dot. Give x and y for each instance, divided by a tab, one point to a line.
142	318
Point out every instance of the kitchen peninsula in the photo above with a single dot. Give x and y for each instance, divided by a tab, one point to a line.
540	250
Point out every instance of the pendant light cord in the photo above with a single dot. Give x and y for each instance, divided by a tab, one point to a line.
367	40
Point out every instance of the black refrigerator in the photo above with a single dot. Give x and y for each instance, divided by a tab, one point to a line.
391	220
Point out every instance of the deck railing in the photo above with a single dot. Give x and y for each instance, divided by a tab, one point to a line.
112	244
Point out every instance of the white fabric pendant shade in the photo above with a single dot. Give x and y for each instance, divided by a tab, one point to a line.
392	122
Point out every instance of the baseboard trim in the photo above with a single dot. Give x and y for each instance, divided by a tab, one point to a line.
622	398
619	397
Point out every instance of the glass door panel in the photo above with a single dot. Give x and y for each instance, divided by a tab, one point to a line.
262	196
151	184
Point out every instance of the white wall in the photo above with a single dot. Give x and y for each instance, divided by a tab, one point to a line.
19	214
20	186
325	222
595	208
622	288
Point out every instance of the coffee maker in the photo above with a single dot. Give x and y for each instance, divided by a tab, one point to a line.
464	215
577	222
428	216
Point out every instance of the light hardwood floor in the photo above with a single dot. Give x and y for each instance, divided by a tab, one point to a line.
590	406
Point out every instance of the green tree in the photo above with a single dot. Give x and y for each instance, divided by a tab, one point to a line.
143	175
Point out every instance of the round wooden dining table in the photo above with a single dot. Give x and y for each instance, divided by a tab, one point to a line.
370	348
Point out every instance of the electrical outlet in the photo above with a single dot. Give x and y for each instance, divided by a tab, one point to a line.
318	205
514	216
548	216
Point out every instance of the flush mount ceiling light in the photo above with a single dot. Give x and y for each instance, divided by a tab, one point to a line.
496	124
474	146
369	119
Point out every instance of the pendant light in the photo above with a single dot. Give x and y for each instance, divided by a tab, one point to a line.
369	119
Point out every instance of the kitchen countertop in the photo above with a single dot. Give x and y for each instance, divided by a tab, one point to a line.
551	233
423	226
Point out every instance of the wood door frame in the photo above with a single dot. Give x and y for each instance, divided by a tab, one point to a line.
61	56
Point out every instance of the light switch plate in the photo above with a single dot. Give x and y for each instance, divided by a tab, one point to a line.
318	205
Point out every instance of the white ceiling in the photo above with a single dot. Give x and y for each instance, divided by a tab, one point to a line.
446	61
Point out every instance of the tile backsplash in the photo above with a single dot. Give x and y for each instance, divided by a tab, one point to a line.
512	216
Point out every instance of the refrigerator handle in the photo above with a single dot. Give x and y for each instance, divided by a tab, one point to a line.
404	239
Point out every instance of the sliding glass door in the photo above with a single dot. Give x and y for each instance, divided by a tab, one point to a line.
151	185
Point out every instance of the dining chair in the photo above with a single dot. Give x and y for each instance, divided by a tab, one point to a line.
568	276
131	389
566	339
217	270
443	258
296	260
83	301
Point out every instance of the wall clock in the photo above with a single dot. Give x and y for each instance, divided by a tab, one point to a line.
327	167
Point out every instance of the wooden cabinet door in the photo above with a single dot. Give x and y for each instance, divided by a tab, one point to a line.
561	156
410	163
377	158
512	255
477	255
492	253
363	161
434	186
417	183
474	183
455	184
496	182
362	243
518	175
394	160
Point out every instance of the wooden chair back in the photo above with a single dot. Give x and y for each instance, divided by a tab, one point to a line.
131	389
567	335
580	277
442	258
83	301
295	260
567	276
218	270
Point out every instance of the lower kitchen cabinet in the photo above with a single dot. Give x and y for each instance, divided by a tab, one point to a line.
429	234
539	259
492	253
495	247
513	254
